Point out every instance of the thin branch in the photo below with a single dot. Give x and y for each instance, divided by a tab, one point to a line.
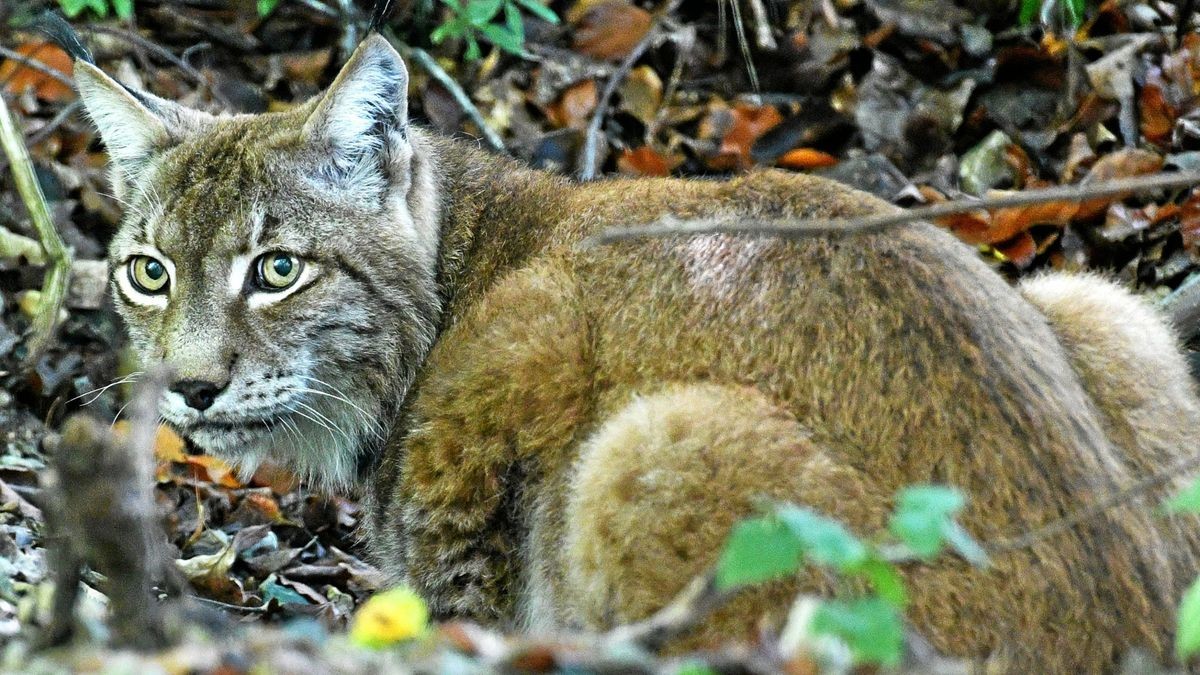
587	157
165	54
54	287
762	26
698	599
34	64
875	222
430	65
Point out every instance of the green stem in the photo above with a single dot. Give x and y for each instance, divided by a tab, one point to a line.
54	287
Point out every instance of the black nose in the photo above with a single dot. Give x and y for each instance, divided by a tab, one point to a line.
198	394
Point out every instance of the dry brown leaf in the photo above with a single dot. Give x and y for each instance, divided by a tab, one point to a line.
738	128
611	29
575	106
1124	163
20	77
641	94
643	161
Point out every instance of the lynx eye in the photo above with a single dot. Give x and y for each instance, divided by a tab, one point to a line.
148	275
277	271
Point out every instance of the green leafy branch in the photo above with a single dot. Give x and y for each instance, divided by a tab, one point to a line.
780	543
1187	621
471	20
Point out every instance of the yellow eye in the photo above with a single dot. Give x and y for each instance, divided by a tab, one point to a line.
277	271
148	275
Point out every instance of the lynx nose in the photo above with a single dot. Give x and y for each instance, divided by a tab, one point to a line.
198	394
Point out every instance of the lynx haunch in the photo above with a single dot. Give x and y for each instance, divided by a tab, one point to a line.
548	435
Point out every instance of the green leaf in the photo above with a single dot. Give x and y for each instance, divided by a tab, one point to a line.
265	7
1187	630
503	38
512	21
442	32
1187	501
1073	12
273	590
758	550
922	515
123	8
473	51
72	8
481	12
539	10
824	540
1029	9
887	582
871	627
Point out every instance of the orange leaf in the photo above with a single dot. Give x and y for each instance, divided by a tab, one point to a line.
745	124
1020	250
806	158
1008	223
1158	116
576	104
168	446
1189	221
643	161
1124	163
610	30
213	470
20	77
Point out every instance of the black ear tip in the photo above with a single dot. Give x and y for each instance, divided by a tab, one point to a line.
380	14
54	26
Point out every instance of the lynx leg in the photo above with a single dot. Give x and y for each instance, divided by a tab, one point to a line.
659	486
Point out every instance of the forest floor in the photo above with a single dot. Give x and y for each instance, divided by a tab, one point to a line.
916	101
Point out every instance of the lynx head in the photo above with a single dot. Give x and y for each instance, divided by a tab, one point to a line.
281	265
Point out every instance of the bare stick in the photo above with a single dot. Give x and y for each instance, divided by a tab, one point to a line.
34	64
698	599
762	26
54	288
875	222
430	65
166	54
587	158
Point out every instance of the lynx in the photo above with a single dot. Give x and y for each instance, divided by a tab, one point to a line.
552	436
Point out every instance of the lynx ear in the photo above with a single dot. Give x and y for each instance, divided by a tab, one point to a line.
361	120
134	125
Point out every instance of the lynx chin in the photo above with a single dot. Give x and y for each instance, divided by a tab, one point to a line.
553	436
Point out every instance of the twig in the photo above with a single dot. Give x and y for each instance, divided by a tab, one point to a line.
59	119
587	158
698	599
34	64
166	54
762	26
1086	513
430	65
54	287
794	229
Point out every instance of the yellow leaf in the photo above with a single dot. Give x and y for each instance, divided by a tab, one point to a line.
389	617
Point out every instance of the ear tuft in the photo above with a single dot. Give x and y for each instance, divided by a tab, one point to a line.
363	116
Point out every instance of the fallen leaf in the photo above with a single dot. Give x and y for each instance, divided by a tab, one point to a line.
389	617
610	30
20	77
641	94
643	161
574	108
806	158
738	128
